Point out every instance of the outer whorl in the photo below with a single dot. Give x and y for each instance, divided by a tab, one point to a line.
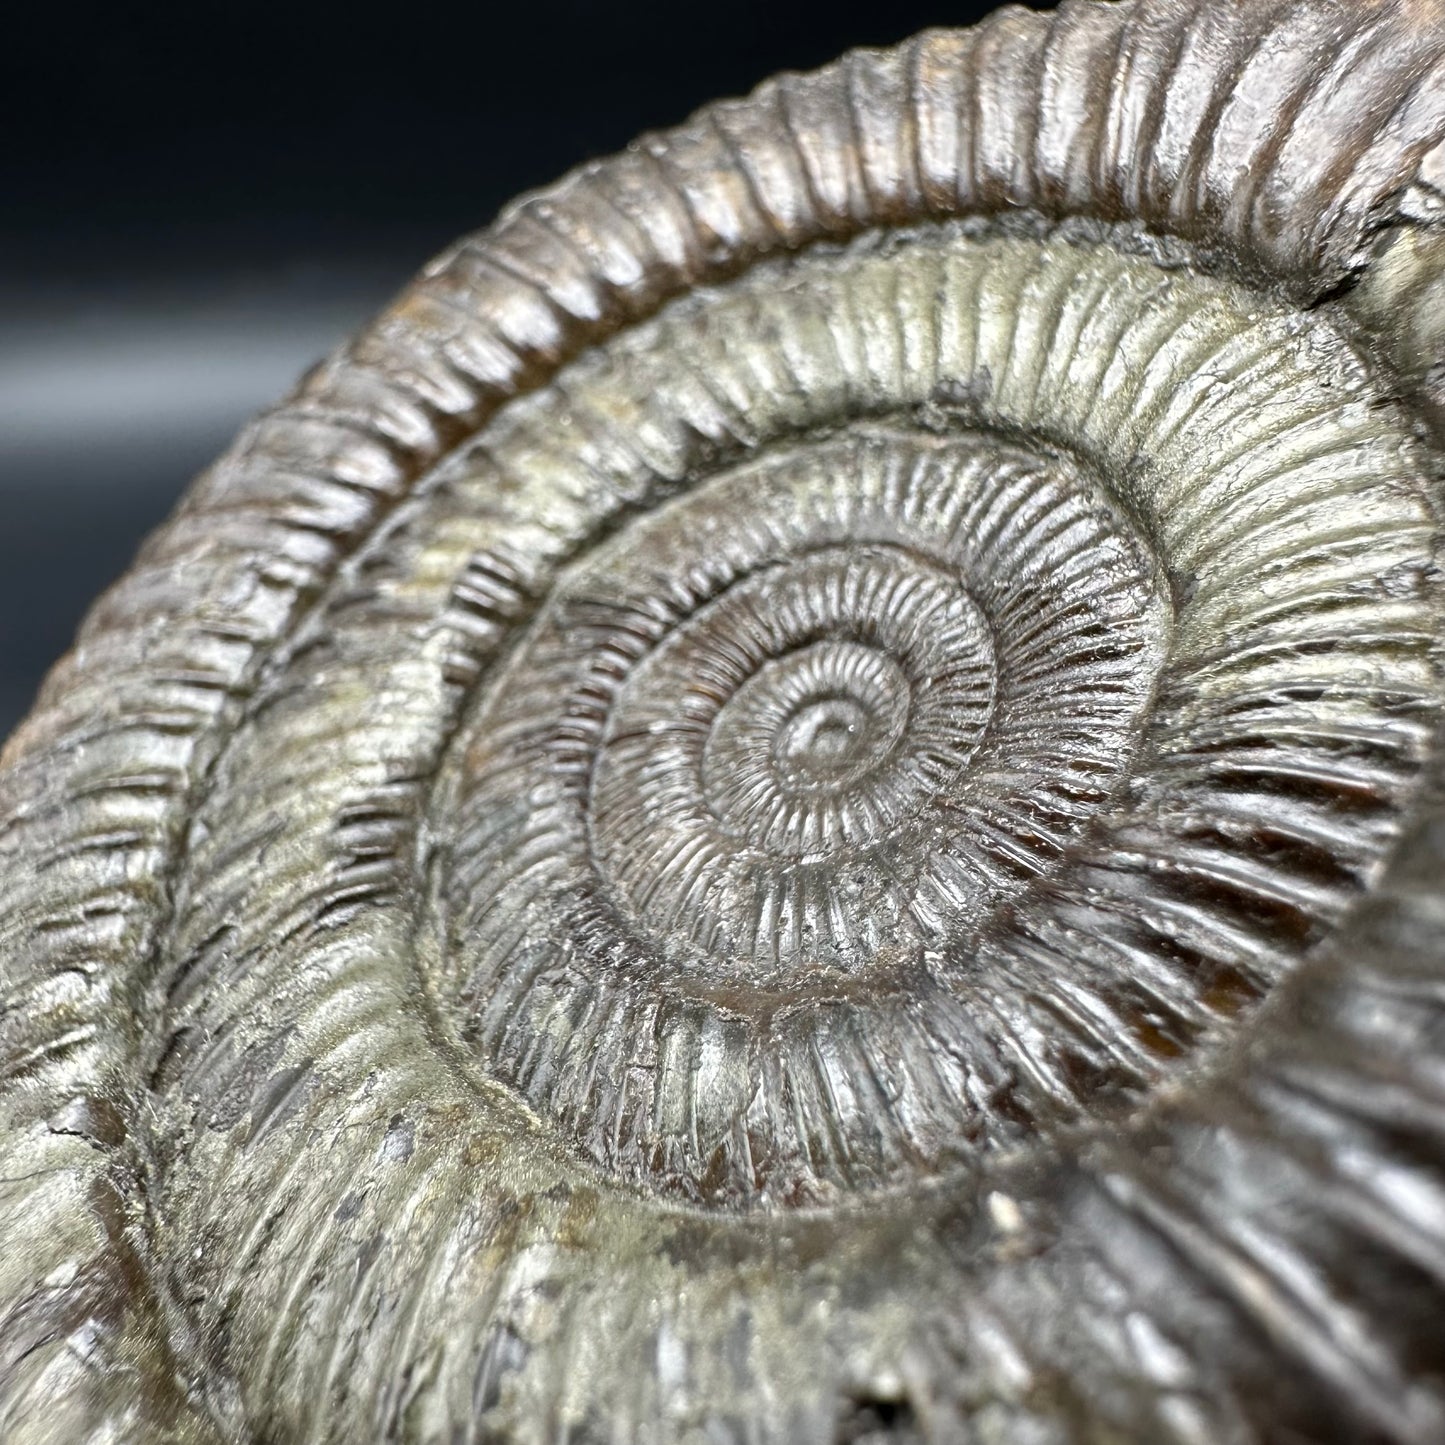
799	801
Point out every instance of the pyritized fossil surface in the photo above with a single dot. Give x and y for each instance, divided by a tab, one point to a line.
800	801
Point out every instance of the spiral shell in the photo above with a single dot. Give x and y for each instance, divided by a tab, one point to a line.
799	801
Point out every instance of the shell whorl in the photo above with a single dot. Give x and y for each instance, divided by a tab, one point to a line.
800	797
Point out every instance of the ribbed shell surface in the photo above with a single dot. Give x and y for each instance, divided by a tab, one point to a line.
799	800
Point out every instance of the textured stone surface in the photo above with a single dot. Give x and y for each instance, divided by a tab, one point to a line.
800	801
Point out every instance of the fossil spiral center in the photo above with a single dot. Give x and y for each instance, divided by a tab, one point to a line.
806	725
936	767
823	736
774	758
797	720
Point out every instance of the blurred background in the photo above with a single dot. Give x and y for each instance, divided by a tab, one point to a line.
196	203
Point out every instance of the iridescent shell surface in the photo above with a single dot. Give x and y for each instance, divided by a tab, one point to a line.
800	801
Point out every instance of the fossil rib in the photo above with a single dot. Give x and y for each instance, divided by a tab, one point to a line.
799	801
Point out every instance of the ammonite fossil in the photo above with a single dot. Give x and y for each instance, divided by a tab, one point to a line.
800	801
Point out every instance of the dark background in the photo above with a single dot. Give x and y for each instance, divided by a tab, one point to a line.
197	203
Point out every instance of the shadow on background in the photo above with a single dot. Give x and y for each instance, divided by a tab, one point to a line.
195	211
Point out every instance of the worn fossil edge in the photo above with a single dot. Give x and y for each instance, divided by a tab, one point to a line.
1300	142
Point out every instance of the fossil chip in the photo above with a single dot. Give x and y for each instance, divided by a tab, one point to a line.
800	801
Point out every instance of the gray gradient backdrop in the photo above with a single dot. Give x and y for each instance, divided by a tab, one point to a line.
193	210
